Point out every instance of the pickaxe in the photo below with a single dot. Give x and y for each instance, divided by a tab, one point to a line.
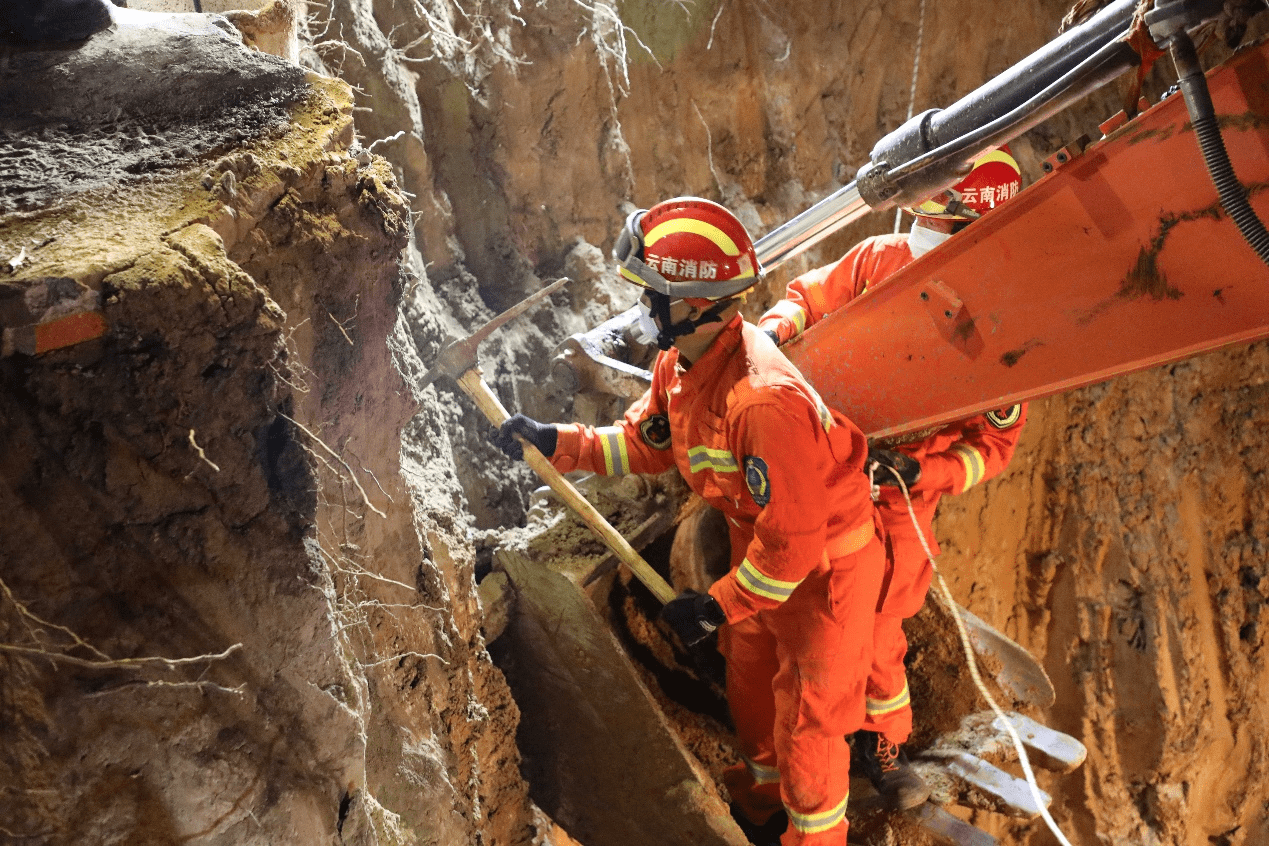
458	361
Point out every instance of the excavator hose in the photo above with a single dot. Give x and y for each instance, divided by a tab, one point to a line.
1198	101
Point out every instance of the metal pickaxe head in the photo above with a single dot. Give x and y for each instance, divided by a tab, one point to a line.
458	361
458	357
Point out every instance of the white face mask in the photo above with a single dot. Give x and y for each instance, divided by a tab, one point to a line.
921	240
645	331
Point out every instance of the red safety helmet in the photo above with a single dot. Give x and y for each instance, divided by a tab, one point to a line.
687	248
993	179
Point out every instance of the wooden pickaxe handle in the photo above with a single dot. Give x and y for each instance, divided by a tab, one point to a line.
485	399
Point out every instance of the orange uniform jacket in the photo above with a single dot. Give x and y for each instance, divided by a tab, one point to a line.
954	457
754	439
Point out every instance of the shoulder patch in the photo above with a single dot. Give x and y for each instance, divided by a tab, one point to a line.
757	480
1005	417
655	431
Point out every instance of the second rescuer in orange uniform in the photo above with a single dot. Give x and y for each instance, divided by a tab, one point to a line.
795	612
950	459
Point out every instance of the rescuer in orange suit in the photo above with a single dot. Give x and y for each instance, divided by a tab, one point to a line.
947	460
795	613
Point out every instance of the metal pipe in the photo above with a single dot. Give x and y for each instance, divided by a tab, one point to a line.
806	230
1021	83
1079	61
931	172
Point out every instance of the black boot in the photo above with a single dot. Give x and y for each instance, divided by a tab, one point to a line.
889	771
767	834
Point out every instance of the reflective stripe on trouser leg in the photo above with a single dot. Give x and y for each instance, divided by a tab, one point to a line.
878	708
821	822
889	703
751	662
762	773
823	640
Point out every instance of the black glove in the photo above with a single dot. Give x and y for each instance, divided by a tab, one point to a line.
771	333
541	435
693	616
882	461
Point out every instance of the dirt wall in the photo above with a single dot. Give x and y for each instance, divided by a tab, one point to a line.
234	609
1126	546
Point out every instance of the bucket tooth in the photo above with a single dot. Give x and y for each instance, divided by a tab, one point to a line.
984	735
1019	673
986	786
1046	747
947	829
866	804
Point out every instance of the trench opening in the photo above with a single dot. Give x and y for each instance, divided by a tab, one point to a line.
692	679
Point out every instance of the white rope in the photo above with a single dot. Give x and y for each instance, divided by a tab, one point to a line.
916	69
973	668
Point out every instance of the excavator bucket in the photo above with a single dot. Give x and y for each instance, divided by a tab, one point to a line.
610	767
1015	669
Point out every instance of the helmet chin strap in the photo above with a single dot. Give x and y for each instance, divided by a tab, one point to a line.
667	331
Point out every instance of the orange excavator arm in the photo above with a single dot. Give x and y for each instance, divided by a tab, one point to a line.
1118	260
1144	248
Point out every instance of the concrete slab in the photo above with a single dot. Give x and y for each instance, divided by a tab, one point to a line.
615	771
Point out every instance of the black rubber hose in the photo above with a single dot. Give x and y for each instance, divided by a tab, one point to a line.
1198	101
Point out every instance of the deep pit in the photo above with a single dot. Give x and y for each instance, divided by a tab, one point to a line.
240	569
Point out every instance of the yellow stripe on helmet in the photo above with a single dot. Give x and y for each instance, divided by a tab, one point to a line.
632	277
697	227
998	156
933	206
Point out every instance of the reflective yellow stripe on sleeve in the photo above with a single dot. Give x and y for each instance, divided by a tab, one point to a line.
791	312
616	458
719	460
826	416
753	580
878	707
814	293
799	321
975	466
816	823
